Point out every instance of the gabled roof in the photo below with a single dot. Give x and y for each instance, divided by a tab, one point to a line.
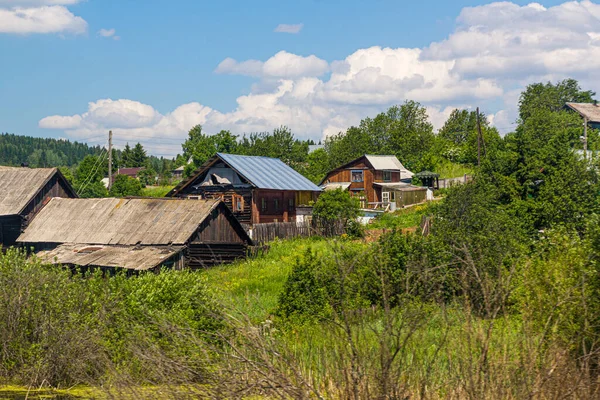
110	221
590	111
260	172
379	163
19	186
387	163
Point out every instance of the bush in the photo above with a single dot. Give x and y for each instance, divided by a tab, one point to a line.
67	329
335	208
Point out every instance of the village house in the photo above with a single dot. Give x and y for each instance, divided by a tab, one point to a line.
23	192
136	234
256	189
130	172
379	182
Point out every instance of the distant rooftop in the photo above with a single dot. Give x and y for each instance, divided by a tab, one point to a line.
591	111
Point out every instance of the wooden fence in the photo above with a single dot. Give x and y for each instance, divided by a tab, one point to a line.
449	182
263	233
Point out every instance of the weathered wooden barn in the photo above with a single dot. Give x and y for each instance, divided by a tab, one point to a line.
256	189
375	180
136	234
23	192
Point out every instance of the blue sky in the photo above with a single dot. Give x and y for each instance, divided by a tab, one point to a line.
152	69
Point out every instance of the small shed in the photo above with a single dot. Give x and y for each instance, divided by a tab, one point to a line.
429	179
136	234
23	192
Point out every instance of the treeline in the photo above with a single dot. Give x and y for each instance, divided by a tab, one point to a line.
16	150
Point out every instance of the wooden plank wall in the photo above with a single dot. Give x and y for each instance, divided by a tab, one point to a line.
264	233
204	255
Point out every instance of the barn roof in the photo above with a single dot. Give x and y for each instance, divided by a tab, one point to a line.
130	257
18	186
110	221
260	172
591	111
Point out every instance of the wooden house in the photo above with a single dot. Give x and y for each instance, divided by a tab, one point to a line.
376	180
136	234
256	189
23	192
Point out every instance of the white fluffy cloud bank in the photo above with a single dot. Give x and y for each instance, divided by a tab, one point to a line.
39	16
493	53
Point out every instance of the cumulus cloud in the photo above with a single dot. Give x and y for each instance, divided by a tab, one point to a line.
495	50
281	65
39	16
289	28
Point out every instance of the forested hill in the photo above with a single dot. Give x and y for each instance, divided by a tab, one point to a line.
42	152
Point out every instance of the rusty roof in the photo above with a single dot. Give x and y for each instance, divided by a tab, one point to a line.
590	111
18	186
111	221
130	257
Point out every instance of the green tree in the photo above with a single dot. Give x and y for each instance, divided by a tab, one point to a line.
124	185
336	209
551	97
139	158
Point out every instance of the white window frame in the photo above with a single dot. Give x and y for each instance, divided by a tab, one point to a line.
385	197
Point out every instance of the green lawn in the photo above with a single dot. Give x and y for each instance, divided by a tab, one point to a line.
453	170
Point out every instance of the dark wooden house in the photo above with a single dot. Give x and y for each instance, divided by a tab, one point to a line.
136	234
23	192
256	189
375	180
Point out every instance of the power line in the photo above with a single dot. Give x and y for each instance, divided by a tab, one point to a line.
94	169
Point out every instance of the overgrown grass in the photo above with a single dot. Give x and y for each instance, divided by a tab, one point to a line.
400	219
156	191
252	287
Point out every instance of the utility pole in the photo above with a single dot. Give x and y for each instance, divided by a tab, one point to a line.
109	159
478	139
585	124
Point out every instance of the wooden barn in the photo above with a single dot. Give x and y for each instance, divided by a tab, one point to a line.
256	189
375	180
136	234
23	192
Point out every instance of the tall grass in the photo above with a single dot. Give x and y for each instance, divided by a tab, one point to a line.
156	191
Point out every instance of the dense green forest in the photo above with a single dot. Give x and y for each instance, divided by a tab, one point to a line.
42	152
499	299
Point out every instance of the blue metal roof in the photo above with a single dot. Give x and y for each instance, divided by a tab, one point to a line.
268	173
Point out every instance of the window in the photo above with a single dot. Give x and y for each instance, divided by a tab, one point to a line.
263	204
291	204
276	204
387	176
385	197
239	204
393	197
357	176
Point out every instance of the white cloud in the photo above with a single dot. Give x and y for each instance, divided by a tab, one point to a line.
289	28
281	65
108	33
494	52
48	16
26	3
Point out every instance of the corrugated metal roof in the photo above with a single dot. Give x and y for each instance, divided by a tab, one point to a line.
388	163
130	257
18	186
589	110
268	173
118	221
